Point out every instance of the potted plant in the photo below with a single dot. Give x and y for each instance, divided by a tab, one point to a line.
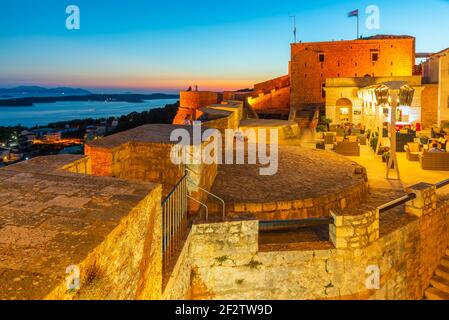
320	129
374	140
386	156
325	122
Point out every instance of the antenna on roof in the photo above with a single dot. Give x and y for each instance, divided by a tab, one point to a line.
294	26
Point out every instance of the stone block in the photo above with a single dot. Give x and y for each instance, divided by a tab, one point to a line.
425	200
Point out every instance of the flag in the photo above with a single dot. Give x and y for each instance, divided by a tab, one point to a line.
354	13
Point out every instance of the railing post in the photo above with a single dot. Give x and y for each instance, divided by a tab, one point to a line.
174	219
425	201
354	227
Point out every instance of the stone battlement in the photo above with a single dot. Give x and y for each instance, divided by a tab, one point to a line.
51	219
225	260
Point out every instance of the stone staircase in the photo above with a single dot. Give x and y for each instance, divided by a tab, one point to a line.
305	116
439	284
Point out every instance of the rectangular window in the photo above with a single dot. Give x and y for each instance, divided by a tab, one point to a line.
323	89
374	56
321	57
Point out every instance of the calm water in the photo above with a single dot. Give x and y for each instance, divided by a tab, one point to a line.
45	113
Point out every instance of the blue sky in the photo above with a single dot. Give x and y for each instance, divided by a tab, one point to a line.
149	45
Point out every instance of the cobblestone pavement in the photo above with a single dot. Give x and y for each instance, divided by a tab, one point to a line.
302	174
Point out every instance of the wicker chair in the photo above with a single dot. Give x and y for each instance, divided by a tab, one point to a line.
341	132
362	140
413	151
347	148
434	161
355	132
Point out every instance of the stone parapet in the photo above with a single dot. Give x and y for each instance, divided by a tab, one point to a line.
355	227
425	201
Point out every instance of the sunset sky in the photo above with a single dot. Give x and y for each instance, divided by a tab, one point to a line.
146	45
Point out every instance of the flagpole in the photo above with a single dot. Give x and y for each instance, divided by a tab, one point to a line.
357	25
294	26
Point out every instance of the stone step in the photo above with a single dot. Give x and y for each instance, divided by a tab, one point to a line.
440	283
436	294
442	272
445	262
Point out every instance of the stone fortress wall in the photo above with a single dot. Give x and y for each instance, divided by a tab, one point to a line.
128	155
272	96
54	221
191	101
274	101
225	260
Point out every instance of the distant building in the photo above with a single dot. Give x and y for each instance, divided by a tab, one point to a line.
41	132
94	132
52	136
436	77
28	136
4	154
272	97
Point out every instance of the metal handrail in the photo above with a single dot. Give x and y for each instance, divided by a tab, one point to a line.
202	204
397	202
174	220
174	188
411	196
442	184
282	225
208	192
216	197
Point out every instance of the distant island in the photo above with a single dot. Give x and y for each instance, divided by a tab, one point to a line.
132	98
36	90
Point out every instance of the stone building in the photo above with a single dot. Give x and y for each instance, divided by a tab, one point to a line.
315	65
431	98
272	97
436	77
345	105
378	56
190	102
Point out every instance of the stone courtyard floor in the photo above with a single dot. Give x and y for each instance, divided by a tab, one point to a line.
410	171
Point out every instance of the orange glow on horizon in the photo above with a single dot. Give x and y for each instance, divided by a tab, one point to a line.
171	83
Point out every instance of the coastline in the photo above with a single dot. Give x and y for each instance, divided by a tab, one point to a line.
130	98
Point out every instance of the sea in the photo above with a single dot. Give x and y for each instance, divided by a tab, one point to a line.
42	114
